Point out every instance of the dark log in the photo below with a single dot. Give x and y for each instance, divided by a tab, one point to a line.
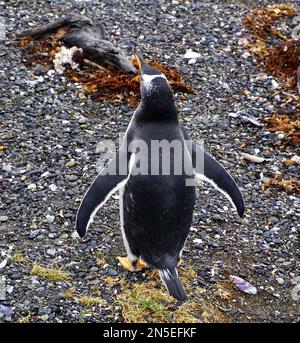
77	30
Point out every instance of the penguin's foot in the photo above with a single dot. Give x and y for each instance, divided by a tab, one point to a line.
140	264
126	264
132	267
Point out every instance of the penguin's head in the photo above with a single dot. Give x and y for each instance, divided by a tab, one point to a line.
156	93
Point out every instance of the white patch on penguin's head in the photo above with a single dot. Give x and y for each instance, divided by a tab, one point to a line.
148	82
152	80
156	93
149	78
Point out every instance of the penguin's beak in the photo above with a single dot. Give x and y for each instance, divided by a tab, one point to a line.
138	59
145	68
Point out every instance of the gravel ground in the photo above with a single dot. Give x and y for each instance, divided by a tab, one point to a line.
51	132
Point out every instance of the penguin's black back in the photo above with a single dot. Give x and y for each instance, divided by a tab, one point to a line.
157	209
157	216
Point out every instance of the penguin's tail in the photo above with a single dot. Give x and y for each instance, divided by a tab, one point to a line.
169	277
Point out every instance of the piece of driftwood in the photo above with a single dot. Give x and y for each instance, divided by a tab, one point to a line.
80	31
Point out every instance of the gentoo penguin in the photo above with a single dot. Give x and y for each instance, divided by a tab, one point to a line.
156	200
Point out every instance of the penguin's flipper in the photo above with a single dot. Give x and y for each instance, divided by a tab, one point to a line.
106	183
212	171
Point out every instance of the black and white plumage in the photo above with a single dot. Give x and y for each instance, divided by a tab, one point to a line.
156	210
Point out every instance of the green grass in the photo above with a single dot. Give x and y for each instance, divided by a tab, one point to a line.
85	300
90	301
50	274
148	301
153	306
18	258
25	319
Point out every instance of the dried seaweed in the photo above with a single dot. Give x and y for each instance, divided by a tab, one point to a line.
287	124
283	61
261	21
105	83
112	84
40	51
289	186
257	47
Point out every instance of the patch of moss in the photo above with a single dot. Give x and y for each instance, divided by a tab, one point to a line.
25	319
18	258
153	305
100	254
100	257
85	300
223	293
100	261
187	312
142	304
110	281
69	293
90	301
148	301
50	274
